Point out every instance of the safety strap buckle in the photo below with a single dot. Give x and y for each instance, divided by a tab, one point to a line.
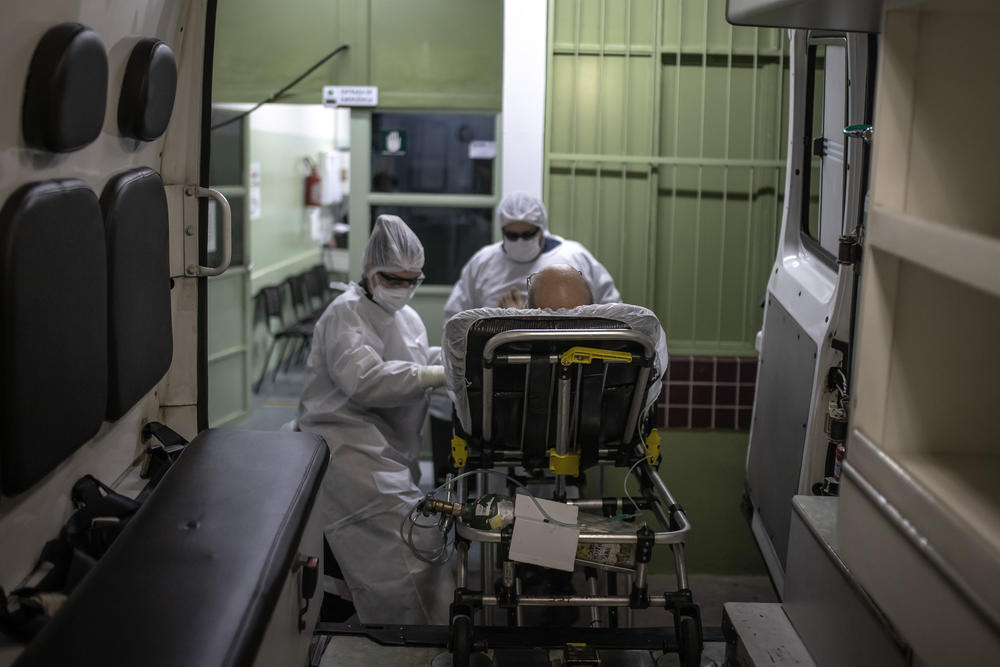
564	464
459	451
653	448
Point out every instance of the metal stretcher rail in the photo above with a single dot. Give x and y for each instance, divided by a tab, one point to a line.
659	537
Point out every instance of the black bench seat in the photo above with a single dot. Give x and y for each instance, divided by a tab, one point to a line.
195	577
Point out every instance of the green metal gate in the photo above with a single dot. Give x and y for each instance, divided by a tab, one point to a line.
665	155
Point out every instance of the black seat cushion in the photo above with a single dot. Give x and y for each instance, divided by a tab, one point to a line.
195	576
54	370
140	343
147	97
66	90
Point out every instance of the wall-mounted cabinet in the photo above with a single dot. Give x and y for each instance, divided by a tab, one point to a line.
920	513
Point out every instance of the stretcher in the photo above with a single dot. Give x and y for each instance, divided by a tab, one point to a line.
553	397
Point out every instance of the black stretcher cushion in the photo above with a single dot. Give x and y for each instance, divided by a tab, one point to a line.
140	343
606	398
195	576
54	354
66	91
148	89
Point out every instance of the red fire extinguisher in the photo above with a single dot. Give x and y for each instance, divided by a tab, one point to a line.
314	185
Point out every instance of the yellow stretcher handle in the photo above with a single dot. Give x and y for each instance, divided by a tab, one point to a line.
584	355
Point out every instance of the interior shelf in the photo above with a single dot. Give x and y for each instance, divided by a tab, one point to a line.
963	255
964	480
950	502
919	520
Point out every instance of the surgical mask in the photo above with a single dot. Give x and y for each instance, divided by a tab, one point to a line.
392	298
522	250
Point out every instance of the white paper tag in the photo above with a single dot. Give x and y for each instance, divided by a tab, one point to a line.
539	542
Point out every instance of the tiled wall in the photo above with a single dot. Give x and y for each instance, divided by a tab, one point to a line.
708	392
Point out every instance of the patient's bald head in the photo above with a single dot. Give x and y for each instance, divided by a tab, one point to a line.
558	286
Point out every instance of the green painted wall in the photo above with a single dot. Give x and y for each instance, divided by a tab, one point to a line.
704	470
228	318
280	244
440	54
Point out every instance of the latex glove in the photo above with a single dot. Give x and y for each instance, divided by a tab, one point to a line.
512	298
431	376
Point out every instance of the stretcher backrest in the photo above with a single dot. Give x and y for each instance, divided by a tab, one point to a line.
523	401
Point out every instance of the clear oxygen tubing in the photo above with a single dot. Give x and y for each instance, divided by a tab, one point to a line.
442	553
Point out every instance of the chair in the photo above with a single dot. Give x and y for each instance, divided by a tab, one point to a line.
269	306
318	288
298	291
557	393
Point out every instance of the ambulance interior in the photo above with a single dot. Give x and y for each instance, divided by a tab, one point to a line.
792	197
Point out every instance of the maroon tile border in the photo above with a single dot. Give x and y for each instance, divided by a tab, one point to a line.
708	392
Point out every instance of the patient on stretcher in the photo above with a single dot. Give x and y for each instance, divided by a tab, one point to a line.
558	286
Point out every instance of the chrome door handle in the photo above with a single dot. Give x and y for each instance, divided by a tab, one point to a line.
192	268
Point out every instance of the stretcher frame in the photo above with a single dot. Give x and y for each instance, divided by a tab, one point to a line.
498	587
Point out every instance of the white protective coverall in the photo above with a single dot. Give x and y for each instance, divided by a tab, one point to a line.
363	393
490	273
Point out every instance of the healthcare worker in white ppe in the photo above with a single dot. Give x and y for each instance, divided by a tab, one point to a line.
496	276
366	393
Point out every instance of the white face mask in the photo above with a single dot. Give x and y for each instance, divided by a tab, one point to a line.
392	298
522	250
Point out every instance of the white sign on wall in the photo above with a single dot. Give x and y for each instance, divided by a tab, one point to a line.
350	96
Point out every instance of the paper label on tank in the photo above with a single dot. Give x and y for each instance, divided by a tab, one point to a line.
538	541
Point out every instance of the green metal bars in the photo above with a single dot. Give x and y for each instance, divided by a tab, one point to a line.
665	155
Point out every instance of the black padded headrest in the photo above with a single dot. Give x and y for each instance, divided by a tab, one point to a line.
148	90
64	97
54	303
140	343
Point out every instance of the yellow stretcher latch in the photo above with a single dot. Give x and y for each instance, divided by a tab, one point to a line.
584	355
653	447
459	451
564	464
